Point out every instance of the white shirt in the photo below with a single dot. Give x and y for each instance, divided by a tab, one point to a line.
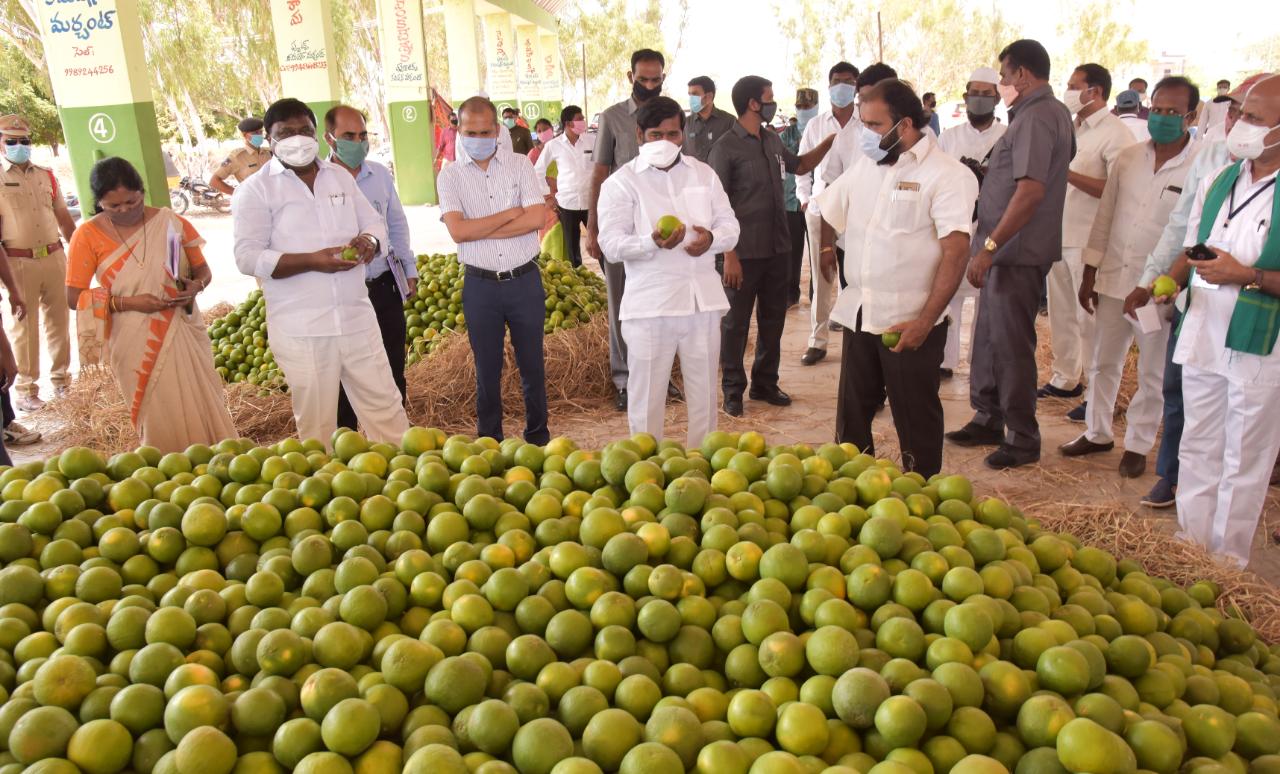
273	213
818	129
666	283
1099	139
477	193
1213	113
893	218
1202	340
1136	125
844	151
573	169
1210	157
966	141
1134	209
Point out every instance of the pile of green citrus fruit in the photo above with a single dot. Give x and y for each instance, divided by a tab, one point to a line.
452	606
241	352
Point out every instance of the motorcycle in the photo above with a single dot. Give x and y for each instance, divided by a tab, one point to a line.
191	191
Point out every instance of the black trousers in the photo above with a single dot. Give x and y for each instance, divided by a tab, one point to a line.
764	282
799	232
7	408
1002	373
389	308
868	371
492	307
571	222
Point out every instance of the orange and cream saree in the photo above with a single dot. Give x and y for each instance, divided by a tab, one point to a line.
162	362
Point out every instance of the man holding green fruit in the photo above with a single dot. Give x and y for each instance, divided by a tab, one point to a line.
1141	191
392	275
904	207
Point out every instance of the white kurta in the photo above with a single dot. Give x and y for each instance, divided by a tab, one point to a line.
673	301
809	186
1232	431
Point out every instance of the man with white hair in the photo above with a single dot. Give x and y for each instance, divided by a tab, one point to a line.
971	143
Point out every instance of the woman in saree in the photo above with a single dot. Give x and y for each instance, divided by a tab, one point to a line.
149	269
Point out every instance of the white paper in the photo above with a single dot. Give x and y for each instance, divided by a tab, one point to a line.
1199	282
397	272
173	265
1149	319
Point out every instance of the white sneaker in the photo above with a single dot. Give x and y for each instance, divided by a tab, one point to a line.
17	435
28	403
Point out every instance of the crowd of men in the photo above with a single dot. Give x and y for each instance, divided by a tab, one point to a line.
701	219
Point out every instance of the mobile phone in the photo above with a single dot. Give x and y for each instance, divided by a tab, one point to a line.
1200	253
182	285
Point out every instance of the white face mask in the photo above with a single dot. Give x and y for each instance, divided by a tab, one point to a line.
1249	141
1073	101
659	153
297	151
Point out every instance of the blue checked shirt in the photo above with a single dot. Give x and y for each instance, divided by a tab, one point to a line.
375	182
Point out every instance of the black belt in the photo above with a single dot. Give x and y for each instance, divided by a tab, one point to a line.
502	276
381	278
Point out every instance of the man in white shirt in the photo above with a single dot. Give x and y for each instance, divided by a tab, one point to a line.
1226	346
1211	157
1100	136
971	143
1128	104
570	186
1213	114
674	298
1140	193
492	205
906	210
293	221
842	89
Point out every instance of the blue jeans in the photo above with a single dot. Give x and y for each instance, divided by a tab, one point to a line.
491	307
1167	458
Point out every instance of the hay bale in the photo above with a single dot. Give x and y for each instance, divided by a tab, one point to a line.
442	388
93	414
216	312
1152	544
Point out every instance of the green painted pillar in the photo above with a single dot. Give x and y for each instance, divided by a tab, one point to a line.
404	68
100	81
552	86
304	50
464	49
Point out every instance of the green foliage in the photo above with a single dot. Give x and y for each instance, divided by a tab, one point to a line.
610	34
24	91
1097	34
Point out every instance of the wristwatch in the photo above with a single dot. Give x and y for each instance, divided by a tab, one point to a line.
990	245
1257	281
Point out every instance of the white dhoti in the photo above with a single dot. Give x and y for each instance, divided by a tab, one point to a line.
652	344
955	310
1070	326
314	366
1228	449
1113	334
824	290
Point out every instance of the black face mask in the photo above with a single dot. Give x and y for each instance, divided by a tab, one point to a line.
893	141
768	110
644	93
130	217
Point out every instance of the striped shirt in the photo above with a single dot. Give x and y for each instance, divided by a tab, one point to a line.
477	193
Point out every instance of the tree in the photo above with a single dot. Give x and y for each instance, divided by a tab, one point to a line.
24	91
1098	36
1266	54
610	32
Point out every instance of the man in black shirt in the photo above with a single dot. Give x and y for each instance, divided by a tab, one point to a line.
749	161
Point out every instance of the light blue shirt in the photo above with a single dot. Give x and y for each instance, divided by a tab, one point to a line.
1212	157
375	182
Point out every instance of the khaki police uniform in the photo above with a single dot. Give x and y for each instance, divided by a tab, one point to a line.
242	163
30	235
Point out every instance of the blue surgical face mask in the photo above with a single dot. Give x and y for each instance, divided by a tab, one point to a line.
479	148
18	154
695	103
351	152
256	140
843	94
510	123
869	141
804	116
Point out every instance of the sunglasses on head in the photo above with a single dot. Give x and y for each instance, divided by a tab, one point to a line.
17	141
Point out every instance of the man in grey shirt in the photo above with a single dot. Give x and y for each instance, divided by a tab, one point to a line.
618	142
1017	240
749	161
707	123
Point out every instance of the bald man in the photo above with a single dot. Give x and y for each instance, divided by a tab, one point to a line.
392	275
1227	342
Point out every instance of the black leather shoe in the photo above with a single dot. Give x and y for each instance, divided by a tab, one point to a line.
620	402
1050	391
812	355
733	406
1082	446
945	373
1008	457
974	434
835	327
673	392
1133	464
774	397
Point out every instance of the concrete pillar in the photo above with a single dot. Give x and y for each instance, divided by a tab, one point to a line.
404	72
464	49
304	50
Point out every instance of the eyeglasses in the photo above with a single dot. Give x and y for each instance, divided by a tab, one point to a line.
17	141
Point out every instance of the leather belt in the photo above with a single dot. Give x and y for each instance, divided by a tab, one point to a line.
39	252
502	276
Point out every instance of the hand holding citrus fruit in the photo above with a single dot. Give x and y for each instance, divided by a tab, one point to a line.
1164	287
